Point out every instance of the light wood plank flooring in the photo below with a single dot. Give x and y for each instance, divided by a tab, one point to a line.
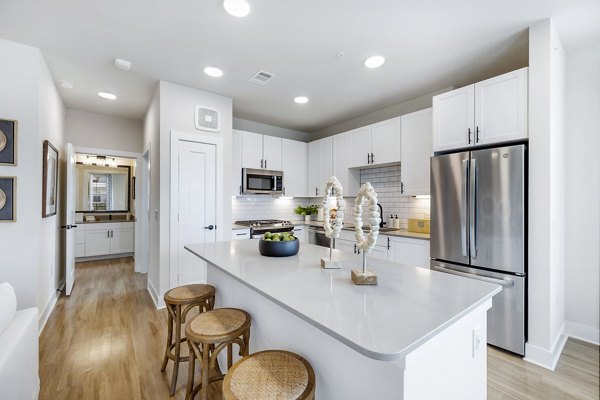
106	341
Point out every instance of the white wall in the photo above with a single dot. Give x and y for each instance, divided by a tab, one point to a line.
152	143
100	131
177	107
583	193
30	248
270	130
546	261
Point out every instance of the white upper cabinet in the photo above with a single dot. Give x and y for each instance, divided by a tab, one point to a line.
236	172
417	148
385	141
349	179
454	118
501	108
491	111
252	150
320	165
295	167
272	153
360	147
260	151
375	144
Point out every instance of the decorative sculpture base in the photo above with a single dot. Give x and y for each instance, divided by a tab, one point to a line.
330	264
363	278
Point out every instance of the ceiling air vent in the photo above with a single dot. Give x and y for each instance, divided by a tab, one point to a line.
261	77
207	119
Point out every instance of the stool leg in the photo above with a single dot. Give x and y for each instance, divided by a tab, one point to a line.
229	356
191	370
169	339
205	371
246	339
177	349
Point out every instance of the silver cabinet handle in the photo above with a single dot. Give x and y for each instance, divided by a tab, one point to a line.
368	158
372	158
464	215
261	163
240	189
107	234
401	187
503	282
477	135
265	164
469	132
241	234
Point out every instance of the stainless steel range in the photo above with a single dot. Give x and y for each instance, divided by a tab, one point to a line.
258	227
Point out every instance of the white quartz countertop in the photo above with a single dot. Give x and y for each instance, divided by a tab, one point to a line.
385	322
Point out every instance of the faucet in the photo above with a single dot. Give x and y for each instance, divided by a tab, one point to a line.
381	224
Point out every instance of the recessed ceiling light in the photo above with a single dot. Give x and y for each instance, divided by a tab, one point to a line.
123	65
237	8
374	61
107	96
213	71
301	99
66	85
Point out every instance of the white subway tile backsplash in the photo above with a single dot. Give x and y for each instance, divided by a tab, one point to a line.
385	181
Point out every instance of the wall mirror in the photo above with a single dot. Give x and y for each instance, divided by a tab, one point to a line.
103	186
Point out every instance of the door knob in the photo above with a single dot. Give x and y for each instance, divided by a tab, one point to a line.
210	227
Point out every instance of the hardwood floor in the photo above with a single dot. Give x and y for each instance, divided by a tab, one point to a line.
106	341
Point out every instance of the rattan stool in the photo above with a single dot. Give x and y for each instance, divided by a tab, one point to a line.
270	375
208	334
186	297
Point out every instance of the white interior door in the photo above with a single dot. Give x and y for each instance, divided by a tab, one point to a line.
70	222
197	201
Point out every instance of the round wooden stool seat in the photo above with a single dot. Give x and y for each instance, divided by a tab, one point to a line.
270	375
188	294
218	325
208	334
180	301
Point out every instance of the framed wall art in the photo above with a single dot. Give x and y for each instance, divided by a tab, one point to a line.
49	180
8	142
8	203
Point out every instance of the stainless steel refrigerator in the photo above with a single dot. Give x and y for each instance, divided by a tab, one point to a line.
479	231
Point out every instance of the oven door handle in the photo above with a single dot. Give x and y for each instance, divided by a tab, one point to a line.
504	282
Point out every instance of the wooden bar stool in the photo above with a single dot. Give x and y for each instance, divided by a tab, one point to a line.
208	334
270	375
186	297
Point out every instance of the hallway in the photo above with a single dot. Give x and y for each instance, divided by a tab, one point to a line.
106	340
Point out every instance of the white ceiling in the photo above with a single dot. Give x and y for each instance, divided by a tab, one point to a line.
429	45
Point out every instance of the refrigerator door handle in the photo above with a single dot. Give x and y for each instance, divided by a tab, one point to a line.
504	282
464	215
474	208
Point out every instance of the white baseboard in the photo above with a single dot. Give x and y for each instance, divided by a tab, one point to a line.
45	314
546	358
159	302
583	332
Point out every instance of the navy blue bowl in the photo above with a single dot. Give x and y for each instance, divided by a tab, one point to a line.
278	249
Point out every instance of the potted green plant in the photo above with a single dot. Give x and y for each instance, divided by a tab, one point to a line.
307	211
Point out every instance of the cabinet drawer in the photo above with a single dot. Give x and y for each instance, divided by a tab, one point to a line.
408	251
240	234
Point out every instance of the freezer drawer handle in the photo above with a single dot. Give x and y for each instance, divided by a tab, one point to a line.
504	282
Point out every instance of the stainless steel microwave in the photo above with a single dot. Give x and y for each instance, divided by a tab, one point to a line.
261	181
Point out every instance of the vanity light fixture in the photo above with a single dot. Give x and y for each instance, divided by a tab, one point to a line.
107	96
213	71
237	8
374	61
301	99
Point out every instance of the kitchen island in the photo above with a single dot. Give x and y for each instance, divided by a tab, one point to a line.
418	334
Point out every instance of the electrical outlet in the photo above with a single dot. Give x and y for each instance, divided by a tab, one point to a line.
476	341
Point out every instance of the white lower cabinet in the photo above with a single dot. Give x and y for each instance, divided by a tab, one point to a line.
409	251
301	233
105	239
346	242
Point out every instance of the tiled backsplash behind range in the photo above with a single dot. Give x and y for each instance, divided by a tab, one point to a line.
386	182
